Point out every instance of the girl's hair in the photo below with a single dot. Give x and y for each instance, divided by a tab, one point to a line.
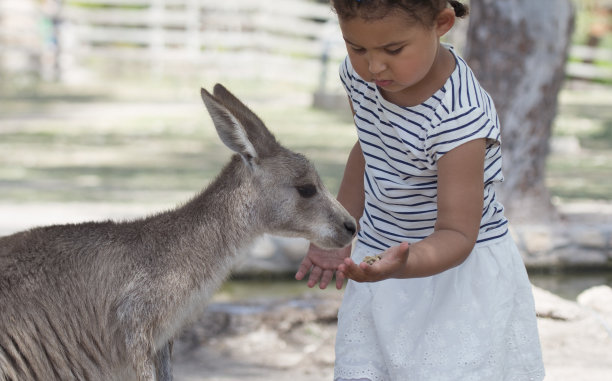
423	11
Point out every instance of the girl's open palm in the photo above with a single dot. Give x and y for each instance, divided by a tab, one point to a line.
393	264
322	265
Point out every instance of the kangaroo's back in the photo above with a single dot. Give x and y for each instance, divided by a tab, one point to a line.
56	321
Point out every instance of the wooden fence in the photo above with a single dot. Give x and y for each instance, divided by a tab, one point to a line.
296	40
240	38
21	46
590	63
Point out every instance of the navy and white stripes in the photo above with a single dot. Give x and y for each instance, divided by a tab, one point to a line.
402	146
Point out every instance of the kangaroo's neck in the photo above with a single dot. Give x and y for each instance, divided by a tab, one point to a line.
220	221
227	208
191	249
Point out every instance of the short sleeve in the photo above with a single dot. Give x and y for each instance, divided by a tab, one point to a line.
460	127
346	76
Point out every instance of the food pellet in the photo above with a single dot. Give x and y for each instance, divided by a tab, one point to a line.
370	260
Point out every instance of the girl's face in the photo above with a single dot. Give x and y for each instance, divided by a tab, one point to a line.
395	54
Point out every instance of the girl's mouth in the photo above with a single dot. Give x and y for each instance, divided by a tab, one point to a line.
383	83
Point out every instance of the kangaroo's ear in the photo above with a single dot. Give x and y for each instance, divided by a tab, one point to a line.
234	104
260	137
231	131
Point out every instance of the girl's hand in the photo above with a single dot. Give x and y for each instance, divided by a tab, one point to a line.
322	265
393	264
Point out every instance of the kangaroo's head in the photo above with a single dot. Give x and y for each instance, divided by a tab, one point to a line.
291	199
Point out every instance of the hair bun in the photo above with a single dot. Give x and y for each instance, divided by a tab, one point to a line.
461	10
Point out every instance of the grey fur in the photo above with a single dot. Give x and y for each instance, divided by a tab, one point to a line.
101	300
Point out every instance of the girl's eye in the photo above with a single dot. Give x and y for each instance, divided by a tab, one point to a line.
357	50
306	191
394	51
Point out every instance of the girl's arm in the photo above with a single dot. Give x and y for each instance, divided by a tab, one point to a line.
460	203
351	193
322	264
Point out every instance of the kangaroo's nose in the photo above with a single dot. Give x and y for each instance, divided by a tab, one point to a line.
350	227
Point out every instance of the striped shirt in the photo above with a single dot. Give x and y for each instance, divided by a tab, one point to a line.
402	146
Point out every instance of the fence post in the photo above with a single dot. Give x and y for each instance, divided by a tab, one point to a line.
51	69
156	42
193	45
322	98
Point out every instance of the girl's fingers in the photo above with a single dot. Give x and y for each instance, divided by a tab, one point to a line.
360	272
404	250
315	276
303	269
325	279
339	279
393	261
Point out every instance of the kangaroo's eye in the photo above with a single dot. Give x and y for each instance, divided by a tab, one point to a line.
307	190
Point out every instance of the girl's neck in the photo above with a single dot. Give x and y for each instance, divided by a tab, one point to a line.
441	70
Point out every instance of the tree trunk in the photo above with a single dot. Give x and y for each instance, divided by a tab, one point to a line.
518	50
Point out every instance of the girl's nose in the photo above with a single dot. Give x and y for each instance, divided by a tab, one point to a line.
376	65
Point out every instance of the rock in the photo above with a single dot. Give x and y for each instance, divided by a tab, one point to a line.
598	299
551	306
284	340
590	238
541	238
564	246
240	318
576	342
580	257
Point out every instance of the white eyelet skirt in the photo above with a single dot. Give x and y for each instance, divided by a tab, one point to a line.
473	322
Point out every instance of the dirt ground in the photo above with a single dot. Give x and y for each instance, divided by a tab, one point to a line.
293	340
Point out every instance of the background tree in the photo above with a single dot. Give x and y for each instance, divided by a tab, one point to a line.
518	50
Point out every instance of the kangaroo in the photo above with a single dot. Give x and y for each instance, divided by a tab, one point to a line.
102	300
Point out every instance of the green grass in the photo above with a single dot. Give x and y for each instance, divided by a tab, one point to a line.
585	115
58	147
157	144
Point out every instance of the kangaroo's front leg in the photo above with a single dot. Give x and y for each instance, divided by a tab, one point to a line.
146	371
163	362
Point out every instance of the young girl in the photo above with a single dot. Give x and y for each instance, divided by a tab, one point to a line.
450	298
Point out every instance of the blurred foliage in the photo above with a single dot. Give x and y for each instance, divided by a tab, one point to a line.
580	167
585	17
